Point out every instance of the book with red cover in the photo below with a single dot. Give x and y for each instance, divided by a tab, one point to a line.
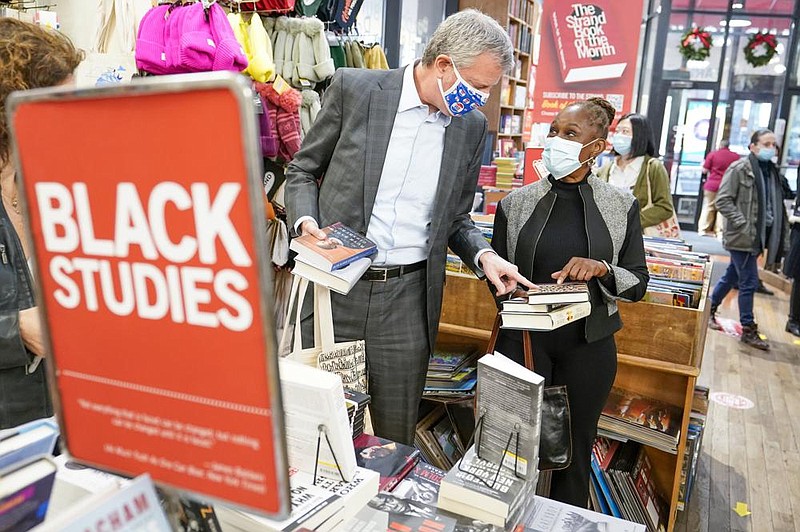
644	411
589	42
391	459
341	247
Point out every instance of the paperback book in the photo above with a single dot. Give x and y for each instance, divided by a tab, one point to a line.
392	460
421	485
25	490
546	515
644	419
342	246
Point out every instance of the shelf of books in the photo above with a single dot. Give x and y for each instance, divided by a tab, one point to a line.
660	349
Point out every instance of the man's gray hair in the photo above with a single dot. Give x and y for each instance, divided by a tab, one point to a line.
467	34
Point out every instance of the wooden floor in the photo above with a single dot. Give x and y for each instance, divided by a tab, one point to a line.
750	456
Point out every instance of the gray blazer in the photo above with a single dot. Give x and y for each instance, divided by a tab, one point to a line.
335	175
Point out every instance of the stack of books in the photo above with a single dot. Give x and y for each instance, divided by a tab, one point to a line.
437	439
451	372
391	460
622	484
487	176
475	489
337	262
357	403
694	440
547	307
646	420
506	170
323	506
677	273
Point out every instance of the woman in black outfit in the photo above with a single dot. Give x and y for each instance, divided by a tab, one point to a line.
791	267
574	226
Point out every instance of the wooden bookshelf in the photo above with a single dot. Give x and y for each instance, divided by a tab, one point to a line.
521	20
660	349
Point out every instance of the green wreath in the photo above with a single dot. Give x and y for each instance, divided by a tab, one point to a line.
760	49
696	44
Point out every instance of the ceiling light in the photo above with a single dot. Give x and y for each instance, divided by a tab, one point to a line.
737	5
736	23
779	69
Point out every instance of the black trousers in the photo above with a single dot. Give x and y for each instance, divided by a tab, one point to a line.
588	371
794	301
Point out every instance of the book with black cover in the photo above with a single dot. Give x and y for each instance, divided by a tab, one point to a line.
421	485
391	459
342	246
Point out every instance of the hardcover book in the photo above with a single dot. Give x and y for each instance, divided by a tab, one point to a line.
546	321
391	459
550	293
509	403
587	43
342	246
340	281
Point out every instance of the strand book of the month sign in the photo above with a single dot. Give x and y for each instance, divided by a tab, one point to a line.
144	210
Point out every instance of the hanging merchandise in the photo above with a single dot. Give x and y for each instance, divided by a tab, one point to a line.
256	44
267	132
760	49
341	13
283	104
309	110
272	6
375	58
177	38
308	8
696	44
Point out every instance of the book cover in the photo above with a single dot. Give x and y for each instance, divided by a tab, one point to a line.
385	512
25	494
510	402
390	459
587	42
342	246
546	321
340	281
640	410
463	483
549	293
133	507
547	515
421	485
198	516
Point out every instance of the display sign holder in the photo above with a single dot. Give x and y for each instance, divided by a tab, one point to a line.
143	206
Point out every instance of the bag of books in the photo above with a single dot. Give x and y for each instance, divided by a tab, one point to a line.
346	359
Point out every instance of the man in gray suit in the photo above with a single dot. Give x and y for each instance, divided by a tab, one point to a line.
395	155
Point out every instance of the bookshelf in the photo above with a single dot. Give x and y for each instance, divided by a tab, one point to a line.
660	350
505	109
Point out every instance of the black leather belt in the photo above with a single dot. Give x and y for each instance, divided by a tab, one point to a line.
382	275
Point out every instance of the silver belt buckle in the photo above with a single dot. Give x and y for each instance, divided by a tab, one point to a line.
385	276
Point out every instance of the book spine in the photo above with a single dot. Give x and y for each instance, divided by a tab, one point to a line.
349	260
598	474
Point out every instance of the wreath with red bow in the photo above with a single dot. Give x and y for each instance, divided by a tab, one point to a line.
760	49
696	44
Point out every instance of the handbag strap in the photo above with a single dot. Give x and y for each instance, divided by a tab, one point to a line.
649	187
527	346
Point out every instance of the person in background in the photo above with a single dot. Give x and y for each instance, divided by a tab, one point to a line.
791	268
636	169
714	167
400	152
750	197
574	226
30	57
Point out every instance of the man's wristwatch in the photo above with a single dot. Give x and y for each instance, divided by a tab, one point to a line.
609	271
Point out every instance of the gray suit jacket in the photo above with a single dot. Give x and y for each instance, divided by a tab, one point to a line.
346	149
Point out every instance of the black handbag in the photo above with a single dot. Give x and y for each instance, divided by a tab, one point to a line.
555	440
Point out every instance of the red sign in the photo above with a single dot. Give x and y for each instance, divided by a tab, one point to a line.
147	223
588	49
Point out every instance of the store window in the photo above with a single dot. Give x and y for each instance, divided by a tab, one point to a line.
676	67
370	20
420	18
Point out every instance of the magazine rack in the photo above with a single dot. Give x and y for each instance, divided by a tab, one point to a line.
660	350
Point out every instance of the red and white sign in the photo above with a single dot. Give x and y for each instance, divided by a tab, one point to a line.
588	48
144	208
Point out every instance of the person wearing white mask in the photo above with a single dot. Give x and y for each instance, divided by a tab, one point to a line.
636	169
573	226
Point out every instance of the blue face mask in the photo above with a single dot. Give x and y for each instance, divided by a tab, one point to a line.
765	154
462	97
621	143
